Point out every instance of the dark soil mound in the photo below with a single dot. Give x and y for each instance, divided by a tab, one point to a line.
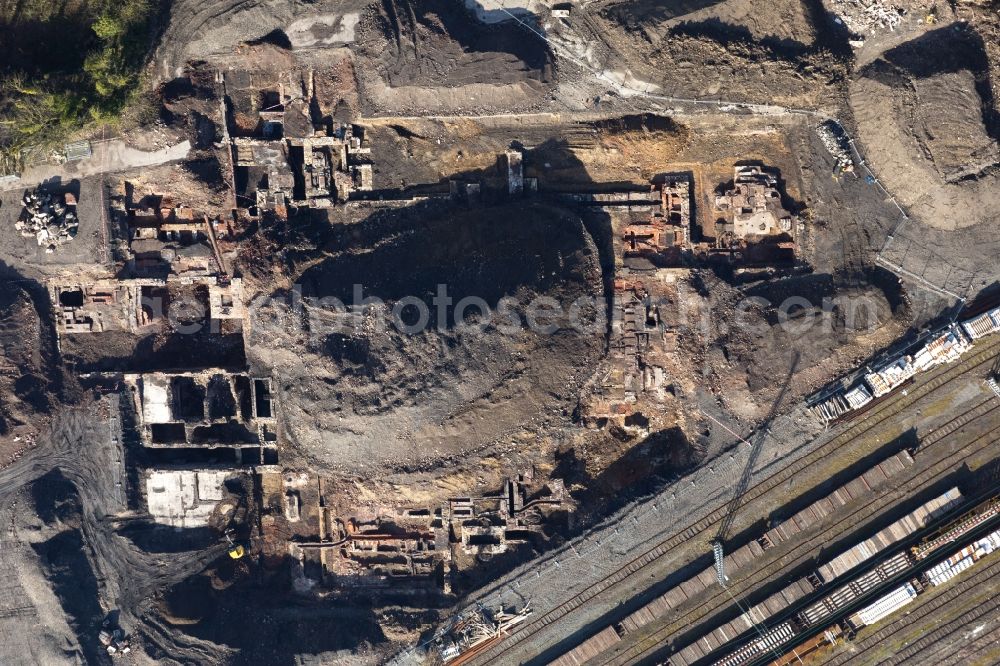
367	389
438	42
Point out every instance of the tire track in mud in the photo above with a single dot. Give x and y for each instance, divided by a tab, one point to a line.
128	578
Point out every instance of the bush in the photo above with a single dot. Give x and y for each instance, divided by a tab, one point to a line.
43	109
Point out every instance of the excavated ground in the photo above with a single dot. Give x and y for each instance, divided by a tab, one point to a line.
69	564
926	113
32	381
371	396
396	419
789	20
439	43
435	55
786	52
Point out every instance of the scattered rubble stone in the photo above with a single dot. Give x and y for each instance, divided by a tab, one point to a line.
50	219
835	140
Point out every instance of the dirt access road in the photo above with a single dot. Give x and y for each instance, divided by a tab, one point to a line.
108	157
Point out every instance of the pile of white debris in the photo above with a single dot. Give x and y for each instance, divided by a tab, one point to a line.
50	220
835	140
867	17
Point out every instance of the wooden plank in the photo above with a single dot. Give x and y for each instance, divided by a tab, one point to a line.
792	593
893	465
774	604
639	618
675	597
707	578
691	587
874	477
604	640
592	647
806	518
821	509
746	620
788	529
857	489
743	556
658	607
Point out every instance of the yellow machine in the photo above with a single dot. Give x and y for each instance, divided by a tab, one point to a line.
236	551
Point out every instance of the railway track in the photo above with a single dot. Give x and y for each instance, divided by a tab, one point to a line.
872	645
874	418
986	648
803	551
964	647
980	410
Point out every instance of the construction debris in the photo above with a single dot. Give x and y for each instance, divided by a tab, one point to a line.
476	629
835	140
162	239
946	346
862	17
212	409
113	638
753	206
286	158
410	550
49	219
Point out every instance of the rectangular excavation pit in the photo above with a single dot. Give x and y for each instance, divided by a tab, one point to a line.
154	303
262	398
244	396
518	535
71	298
268	435
221	403
190	306
223	433
223	455
188	399
208	406
483	540
167	433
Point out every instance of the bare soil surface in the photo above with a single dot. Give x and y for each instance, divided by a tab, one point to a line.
724	50
786	21
198	30
435	54
926	113
372	395
83	254
393	420
62	542
439	43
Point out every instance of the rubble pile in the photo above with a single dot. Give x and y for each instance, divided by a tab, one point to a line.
114	639
866	17
835	140
51	220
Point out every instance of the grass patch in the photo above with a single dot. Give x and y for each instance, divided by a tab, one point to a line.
68	65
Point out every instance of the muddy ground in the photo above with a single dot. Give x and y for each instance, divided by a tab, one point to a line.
71	566
394	420
405	398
